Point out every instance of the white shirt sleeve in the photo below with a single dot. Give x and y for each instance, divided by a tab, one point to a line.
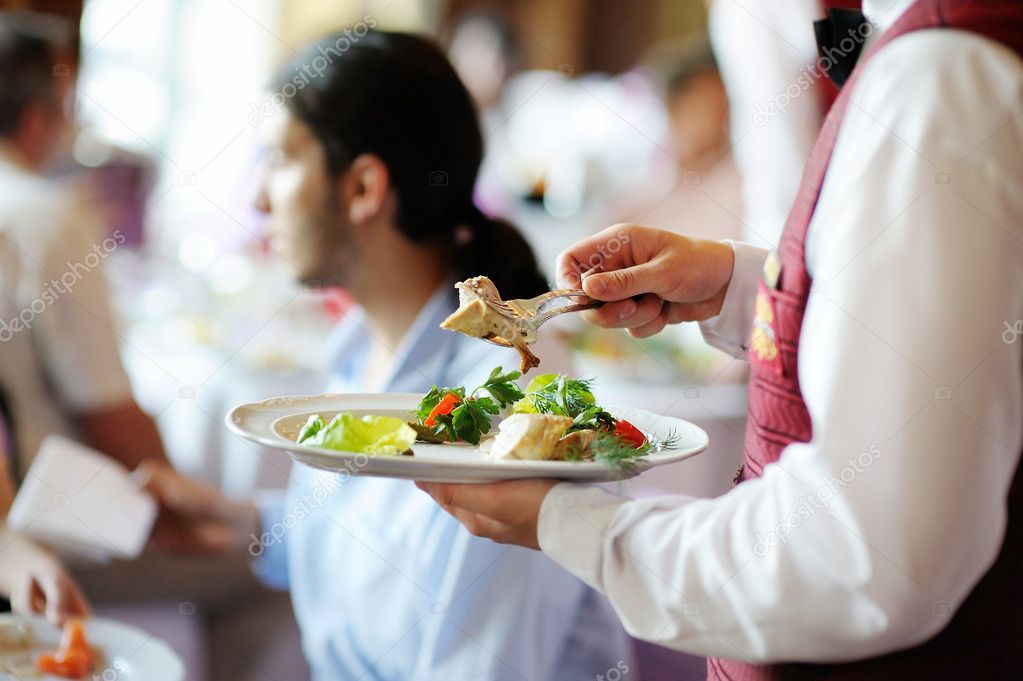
76	331
866	539
730	330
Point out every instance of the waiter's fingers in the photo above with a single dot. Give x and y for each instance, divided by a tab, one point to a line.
481	526
627	313
654	326
604	251
479	498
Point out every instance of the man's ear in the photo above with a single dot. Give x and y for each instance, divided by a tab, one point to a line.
365	188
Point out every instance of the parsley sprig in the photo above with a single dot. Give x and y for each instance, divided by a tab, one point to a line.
471	419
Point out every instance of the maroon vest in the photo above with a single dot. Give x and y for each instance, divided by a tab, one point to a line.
983	636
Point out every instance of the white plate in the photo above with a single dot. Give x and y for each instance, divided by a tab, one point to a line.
277	421
125	653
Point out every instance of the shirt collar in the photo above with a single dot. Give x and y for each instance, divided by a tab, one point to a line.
350	340
883	13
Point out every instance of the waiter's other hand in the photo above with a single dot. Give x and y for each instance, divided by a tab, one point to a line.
195	517
506	512
648	277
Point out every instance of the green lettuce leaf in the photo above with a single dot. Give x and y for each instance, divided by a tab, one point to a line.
368	434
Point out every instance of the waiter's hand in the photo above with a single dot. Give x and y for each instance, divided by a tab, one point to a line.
506	512
648	277
195	517
36	582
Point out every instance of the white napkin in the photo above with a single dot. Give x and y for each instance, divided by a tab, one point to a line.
82	504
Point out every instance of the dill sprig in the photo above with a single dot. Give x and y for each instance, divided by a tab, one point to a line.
617	454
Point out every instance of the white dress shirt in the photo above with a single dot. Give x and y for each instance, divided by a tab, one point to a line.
866	539
59	348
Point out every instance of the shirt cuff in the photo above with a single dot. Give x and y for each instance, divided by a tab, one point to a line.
268	550
573	526
729	331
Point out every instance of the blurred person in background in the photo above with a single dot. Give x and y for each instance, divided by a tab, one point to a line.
59	358
486	53
695	188
369	186
767	59
61	367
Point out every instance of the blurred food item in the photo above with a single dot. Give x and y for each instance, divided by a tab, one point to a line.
14	635
74	659
15	649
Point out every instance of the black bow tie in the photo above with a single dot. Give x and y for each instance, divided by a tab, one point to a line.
840	40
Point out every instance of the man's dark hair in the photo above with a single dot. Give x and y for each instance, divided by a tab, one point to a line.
27	59
395	95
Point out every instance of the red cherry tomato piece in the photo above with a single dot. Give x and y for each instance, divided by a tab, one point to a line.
446	405
629	433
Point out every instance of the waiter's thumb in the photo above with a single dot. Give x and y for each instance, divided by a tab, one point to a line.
623	283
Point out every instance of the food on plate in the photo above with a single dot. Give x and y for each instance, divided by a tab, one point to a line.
14	635
15	649
574	442
529	436
346	432
482	314
74	659
460	416
555	418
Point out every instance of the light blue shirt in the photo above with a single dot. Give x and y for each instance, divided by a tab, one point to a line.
388	587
